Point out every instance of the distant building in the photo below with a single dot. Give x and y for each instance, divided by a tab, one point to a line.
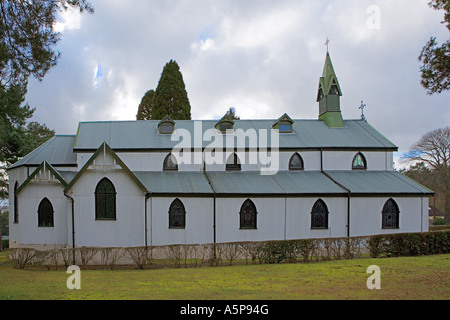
126	183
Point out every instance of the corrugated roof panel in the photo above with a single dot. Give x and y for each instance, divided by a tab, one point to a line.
242	182
373	182
306	134
58	151
307	182
174	182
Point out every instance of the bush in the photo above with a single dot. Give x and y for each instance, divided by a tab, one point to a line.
409	244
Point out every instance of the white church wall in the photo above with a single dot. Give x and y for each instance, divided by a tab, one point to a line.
269	220
153	161
342	160
27	232
199	221
366	216
127	229
298	222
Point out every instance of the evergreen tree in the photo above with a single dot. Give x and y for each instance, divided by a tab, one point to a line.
146	106
16	137
27	37
436	59
170	97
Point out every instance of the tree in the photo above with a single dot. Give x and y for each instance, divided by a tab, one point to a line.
146	106
27	41
169	98
27	37
17	138
433	149
232	113
436	59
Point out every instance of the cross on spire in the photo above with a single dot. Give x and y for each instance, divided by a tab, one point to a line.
327	41
362	106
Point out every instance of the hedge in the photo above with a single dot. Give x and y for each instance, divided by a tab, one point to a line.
278	251
409	244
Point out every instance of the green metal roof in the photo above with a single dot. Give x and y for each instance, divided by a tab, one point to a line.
175	182
377	182
57	151
328	77
307	134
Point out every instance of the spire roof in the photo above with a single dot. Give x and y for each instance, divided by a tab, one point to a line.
328	78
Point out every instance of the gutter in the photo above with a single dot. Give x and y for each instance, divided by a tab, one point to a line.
147	196
72	200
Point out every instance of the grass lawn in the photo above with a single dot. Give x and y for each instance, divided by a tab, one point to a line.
419	278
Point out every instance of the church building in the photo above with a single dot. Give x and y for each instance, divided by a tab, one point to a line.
161	182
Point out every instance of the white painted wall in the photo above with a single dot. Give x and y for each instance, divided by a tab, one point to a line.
199	221
128	228
366	217
342	160
26	231
298	221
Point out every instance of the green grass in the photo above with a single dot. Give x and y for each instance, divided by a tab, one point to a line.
420	278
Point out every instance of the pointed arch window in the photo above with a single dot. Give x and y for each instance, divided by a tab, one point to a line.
105	200
247	215
45	213
359	162
16	203
296	162
170	163
390	215
177	215
233	163
319	215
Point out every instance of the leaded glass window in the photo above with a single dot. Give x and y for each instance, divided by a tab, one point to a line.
233	163
105	200
16	203
296	162
177	215
359	162
319	215
390	215
170	163
45	213
248	215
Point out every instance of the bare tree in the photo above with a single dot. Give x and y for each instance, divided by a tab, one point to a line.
433	149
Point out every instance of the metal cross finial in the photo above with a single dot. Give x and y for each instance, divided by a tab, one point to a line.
327	41
362	106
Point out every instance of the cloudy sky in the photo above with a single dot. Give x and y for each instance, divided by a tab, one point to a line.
262	57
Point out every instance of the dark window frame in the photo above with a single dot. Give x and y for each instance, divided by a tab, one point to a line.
45	213
16	203
177	215
359	167
103	197
293	167
235	165
390	215
319	215
170	167
248	216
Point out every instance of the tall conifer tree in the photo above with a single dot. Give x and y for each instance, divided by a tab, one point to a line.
170	97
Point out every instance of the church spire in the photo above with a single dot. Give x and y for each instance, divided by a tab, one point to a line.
328	96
